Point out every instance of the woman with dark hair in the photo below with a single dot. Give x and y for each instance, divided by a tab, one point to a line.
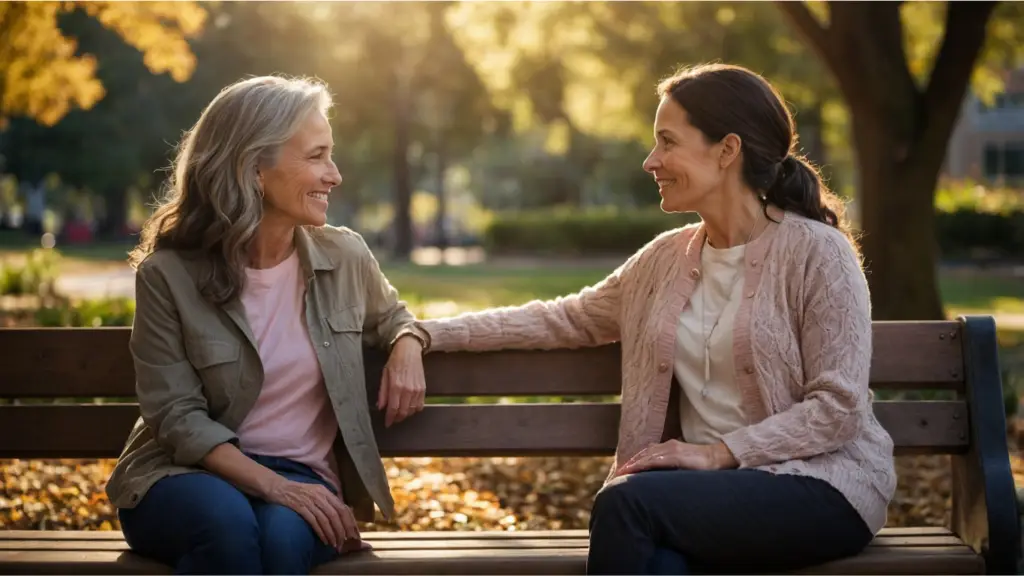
755	323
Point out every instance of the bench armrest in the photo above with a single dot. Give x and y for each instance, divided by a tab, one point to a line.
985	513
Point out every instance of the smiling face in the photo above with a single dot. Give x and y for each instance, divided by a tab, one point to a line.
296	187
685	165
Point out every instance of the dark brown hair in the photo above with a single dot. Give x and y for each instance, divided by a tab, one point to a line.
722	99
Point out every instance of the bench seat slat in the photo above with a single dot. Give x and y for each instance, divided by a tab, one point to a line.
440	540
910	533
91	431
474	553
95	362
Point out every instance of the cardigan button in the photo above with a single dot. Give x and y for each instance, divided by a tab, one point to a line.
753	262
749	369
663	367
695	273
750	294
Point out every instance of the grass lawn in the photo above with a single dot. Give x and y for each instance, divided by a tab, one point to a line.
986	294
481	286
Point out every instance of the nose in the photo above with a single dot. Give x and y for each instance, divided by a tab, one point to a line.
652	162
333	176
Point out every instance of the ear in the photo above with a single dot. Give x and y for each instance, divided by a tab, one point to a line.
730	150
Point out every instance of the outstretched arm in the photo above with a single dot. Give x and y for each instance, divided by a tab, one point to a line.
588	318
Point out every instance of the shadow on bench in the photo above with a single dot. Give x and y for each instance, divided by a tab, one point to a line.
959	358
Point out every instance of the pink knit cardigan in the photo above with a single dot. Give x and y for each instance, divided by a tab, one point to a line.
801	344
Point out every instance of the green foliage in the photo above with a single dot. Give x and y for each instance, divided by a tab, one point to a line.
33	277
568	232
43	74
88	313
973	220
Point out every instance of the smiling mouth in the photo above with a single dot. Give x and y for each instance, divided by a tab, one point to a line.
662	182
321	196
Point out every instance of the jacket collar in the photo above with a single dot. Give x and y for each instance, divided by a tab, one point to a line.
313	255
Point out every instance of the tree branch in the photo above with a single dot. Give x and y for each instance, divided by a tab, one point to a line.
813	31
966	24
833	44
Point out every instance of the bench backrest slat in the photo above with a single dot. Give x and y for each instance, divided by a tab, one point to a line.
48	363
99	431
88	363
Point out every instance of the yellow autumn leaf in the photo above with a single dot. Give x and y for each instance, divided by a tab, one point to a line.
43	78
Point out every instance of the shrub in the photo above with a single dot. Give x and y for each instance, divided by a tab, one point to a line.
566	232
36	276
87	313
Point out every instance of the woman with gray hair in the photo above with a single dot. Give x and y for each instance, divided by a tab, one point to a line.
250	319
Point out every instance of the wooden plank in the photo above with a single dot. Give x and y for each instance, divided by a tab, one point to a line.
915	531
66	362
908	533
78	562
954	560
917	355
903	541
88	362
372	536
947	560
581	429
448	543
927	550
497	544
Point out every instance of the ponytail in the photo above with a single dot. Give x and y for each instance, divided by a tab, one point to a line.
797	187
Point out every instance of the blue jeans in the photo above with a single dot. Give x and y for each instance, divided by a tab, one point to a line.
200	524
728	521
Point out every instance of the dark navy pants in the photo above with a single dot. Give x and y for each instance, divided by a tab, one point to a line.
740	521
201	524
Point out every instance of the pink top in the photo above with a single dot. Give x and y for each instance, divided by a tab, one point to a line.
292	417
801	351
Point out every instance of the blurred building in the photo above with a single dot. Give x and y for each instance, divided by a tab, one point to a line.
988	141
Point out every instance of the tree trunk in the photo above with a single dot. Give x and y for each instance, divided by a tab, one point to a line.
898	222
440	230
901	132
115	219
402	222
812	128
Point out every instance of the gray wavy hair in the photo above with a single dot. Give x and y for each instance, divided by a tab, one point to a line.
213	203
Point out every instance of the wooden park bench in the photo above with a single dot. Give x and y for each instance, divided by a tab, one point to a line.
958	357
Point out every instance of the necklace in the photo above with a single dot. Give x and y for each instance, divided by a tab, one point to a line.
703	306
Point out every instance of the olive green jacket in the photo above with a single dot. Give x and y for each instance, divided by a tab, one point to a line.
198	371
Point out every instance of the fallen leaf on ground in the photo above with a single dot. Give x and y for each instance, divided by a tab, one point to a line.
434	493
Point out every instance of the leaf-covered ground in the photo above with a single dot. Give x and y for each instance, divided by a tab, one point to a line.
432	494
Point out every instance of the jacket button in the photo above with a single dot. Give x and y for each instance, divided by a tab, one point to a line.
663	367
327	344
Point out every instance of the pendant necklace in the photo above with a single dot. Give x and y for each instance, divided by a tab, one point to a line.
703	306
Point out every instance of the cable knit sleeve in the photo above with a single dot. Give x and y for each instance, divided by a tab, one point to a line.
835	348
587	318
